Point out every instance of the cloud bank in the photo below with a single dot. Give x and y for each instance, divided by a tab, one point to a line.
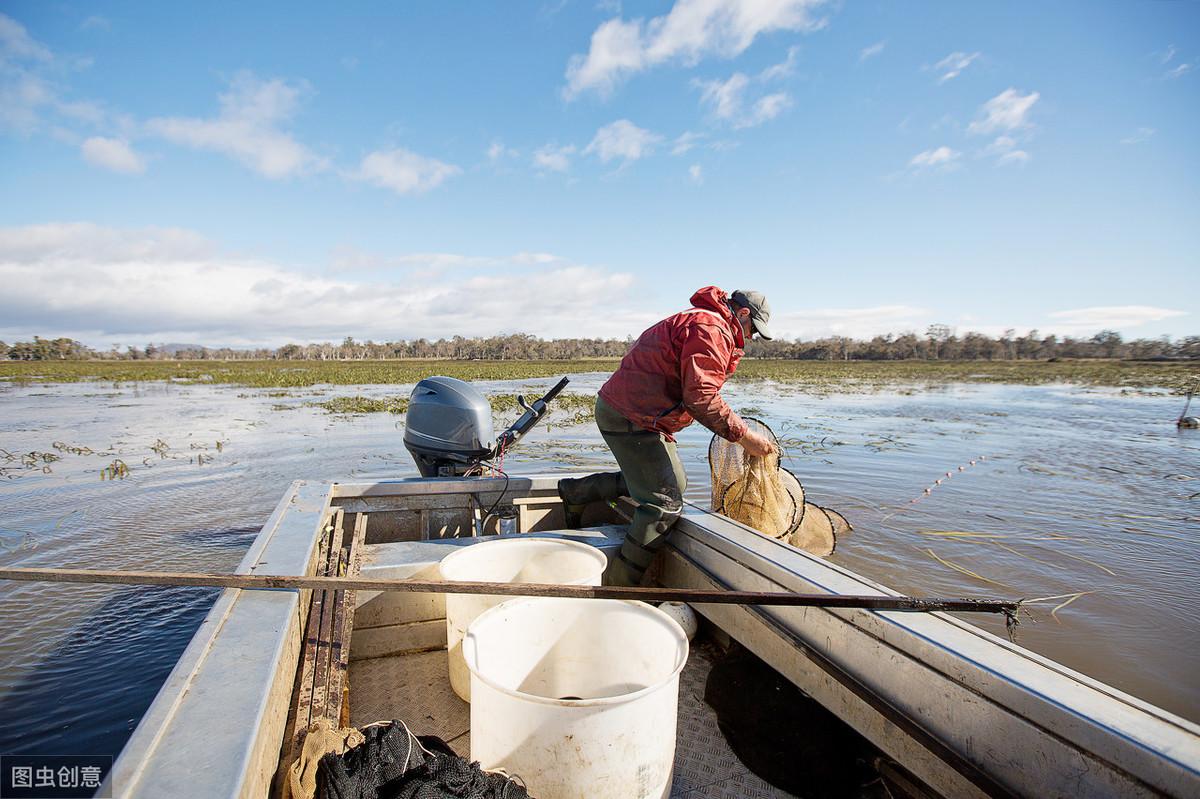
132	285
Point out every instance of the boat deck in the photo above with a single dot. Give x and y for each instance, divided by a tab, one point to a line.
960	711
415	688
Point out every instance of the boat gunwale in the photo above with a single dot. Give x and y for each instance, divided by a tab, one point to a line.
877	624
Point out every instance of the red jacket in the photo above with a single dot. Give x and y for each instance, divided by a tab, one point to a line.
673	374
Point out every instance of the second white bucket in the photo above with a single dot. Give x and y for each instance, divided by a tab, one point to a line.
508	560
577	697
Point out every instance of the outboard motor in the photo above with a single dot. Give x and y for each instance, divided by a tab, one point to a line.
448	428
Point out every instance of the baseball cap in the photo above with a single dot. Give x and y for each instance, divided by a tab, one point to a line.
760	311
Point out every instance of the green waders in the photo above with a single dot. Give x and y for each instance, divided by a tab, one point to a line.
650	473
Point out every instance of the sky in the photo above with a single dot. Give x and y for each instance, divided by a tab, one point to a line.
246	174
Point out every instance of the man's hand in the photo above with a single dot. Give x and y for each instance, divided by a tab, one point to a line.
756	445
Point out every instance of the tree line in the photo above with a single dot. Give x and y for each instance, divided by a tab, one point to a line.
938	343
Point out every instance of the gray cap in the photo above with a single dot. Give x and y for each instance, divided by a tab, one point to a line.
760	311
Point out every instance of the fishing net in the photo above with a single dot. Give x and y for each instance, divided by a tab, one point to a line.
761	494
759	500
754	490
815	533
840	525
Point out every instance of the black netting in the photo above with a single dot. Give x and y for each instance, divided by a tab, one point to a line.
392	763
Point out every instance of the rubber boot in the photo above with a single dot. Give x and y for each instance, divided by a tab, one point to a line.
646	536
577	493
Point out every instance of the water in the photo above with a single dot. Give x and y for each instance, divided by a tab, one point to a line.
1082	490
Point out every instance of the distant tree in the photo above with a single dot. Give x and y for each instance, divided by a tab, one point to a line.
1188	347
1109	342
937	335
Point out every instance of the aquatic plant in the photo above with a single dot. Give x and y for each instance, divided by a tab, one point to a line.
117	470
26	462
363	405
73	449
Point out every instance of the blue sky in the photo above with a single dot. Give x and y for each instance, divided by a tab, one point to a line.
233	173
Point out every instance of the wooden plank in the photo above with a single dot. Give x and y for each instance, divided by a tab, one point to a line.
647	594
301	716
336	691
324	647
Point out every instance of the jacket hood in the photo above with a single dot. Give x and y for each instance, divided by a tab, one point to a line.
712	298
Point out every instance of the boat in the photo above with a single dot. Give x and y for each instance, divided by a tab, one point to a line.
957	711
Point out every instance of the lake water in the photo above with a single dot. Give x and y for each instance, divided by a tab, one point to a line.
1066	490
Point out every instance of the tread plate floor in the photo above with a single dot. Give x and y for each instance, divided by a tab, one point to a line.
416	689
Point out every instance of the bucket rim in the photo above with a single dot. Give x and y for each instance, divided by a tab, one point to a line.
683	653
471	550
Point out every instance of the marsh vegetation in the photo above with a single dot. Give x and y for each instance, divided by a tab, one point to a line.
814	376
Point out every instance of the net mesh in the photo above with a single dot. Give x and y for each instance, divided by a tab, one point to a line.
815	534
758	498
759	493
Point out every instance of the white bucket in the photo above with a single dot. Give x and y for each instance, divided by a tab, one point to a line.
508	560
576	697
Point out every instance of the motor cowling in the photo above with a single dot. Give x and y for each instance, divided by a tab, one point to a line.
448	427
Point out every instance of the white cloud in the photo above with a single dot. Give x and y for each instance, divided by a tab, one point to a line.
622	139
403	171
1006	111
1140	135
1111	317
690	31
783	69
79	241
553	157
248	128
952	65
114	154
696	173
766	108
153	284
25	86
1178	71
351	259
95	23
428	265
497	152
616	50
942	156
1168	54
854	322
724	97
685	141
1006	152
22	96
17	45
727	101
30	76
872	51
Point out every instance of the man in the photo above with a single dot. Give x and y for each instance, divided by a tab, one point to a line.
671	377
